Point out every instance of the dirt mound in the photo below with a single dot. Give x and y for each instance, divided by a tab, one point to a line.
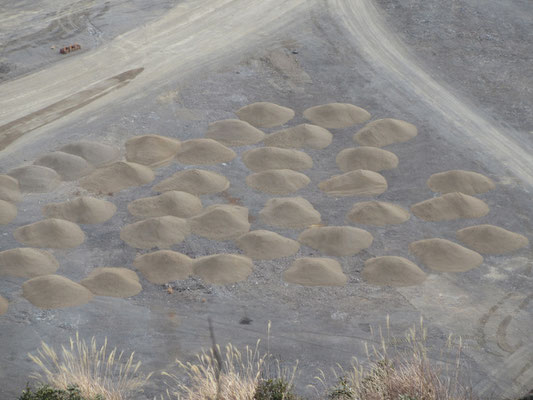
175	203
115	177
8	212
35	179
382	132
277	181
223	269
234	132
300	136
94	153
69	166
445	256
194	181
355	183
25	262
162	232
265	158
54	291
466	182
490	239
3	305
315	272
378	213
204	152
337	240
265	115
82	210
221	222
9	189
450	206
52	233
151	150
392	271
112	282
336	115
369	158
164	266
266	245
289	212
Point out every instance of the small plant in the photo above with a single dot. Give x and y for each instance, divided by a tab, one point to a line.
343	390
274	389
46	392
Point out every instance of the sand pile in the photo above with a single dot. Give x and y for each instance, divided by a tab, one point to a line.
266	245
382	132
112	282
8	212
27	263
265	115
115	177
54	291
392	271
277	181
223	269
194	181
35	179
289	212
490	239
9	189
69	166
300	136
336	115
204	152
221	222
3	305
234	132
466	182
53	233
369	158
445	256
175	203
94	153
377	213
450	206
265	158
355	183
162	232
164	266
337	240
151	150
82	210
315	272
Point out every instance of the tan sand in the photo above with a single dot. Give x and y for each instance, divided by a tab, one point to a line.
466	182
96	154
151	150
300	136
26	262
277	181
164	266
392	271
115	177
82	210
194	181
355	183
311	271
162	232
9	189
3	305
112	282
445	256
266	245
223	269
265	158
173	202
490	239
221	222
54	291
204	152
377	213
234	132
8	212
52	233
337	240
265	115
449	207
289	212
336	115
369	158
382	132
69	166
35	179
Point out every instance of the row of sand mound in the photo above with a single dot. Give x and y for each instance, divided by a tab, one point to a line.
162	232
112	282
35	178
277	181
151	150
449	207
174	203
68	166
445	256
95	153
336	115
115	177
383	132
300	136
9	189
314	271
266	245
50	233
466	182
82	210
164	266
355	183
8	212
265	115
289	212
204	152
490	239
3	305
194	181
234	132
337	240
367	158
55	291
221	222
392	271
377	213
26	262
268	158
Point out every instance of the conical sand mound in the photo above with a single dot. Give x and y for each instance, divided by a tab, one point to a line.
315	272
450	206
162	232
175	203
52	233
355	183
69	166
94	153
116	177
466	182
221	222
3	305
83	210
265	115
234	132
490	239
27	263
336	115
151	150
392	271
54	291
266	245
204	152
36	179
445	256
382	132
194	181
164	266
8	212
223	269
337	240
289	212
265	158
300	136
378	213
278	181
9	189
369	158
112	282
